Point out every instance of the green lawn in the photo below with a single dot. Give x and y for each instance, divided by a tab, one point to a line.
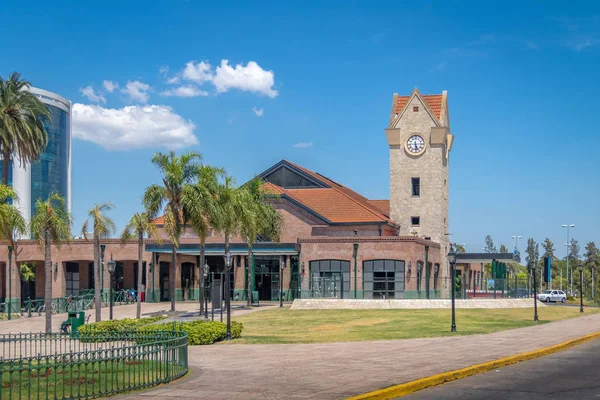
321	326
31	380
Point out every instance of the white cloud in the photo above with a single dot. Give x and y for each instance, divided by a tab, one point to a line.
164	70
251	78
197	72
184	91
303	145
91	94
110	86
137	91
132	127
172	80
258	111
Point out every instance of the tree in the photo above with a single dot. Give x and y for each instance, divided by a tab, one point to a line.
256	216
178	172
51	225
22	132
548	246
103	227
489	245
503	249
573	251
459	248
533	252
200	202
140	225
12	224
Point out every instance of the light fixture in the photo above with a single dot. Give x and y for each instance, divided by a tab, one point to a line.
55	268
206	268
409	267
436	269
111	265
302	270
227	258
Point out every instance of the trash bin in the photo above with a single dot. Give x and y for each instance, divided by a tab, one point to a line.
77	319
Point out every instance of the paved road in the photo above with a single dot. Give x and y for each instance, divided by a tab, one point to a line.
571	374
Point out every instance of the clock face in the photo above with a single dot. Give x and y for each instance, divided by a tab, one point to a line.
415	144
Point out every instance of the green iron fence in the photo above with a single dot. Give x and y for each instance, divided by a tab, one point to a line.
54	366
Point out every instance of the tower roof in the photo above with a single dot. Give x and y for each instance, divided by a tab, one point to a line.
434	101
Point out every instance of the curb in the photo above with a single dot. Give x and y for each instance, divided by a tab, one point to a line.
422	383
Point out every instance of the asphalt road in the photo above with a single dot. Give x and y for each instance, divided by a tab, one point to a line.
570	374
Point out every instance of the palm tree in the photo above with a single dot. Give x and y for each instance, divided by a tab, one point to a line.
51	224
255	216
140	224
12	224
22	133
103	228
178	172
200	201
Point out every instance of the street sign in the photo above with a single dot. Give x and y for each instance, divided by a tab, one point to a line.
515	252
490	283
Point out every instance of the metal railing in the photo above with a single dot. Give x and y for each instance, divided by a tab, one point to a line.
96	364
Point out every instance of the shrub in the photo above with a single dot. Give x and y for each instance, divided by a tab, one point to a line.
200	332
570	298
118	325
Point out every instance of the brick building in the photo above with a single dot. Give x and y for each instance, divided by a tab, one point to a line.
335	242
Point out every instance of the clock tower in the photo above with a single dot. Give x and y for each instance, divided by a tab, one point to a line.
420	142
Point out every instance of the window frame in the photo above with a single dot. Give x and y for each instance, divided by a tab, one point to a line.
412	220
418	186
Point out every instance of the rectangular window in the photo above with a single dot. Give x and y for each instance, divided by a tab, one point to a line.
415	221
416	186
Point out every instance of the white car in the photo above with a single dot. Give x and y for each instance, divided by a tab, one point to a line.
552	295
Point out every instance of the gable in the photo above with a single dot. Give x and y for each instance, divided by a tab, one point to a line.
287	176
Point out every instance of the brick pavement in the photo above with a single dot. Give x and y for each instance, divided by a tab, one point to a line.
339	370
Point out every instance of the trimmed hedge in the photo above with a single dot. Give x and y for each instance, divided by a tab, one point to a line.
201	332
118	325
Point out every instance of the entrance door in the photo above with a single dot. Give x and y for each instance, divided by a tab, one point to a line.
72	279
186	280
164	281
267	278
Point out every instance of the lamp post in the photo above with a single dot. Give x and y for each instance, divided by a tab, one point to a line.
102	248
569	226
517	237
532	268
9	304
228	292
206	267
452	260
111	270
580	287
281	285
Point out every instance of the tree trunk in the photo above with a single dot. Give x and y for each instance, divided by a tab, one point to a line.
5	166
97	279
48	283
249	274
138	313
172	277
201	271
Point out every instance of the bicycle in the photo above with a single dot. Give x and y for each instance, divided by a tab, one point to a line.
41	309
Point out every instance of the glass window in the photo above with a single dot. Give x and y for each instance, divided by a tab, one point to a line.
416	186
415	221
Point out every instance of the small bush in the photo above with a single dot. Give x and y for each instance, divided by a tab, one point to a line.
118	325
570	298
200	332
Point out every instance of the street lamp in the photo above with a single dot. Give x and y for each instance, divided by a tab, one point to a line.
569	226
227	292
102	248
9	304
532	268
452	260
206	268
581	287
517	237
111	270
281	285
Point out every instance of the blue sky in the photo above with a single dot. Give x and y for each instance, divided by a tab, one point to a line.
522	81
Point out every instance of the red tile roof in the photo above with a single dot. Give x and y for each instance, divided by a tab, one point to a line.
338	204
434	101
383	205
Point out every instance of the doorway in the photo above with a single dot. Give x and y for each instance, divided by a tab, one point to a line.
267	277
164	281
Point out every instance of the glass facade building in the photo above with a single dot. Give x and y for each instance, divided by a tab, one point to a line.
52	171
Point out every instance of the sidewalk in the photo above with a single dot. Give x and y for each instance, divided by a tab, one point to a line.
38	323
340	370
